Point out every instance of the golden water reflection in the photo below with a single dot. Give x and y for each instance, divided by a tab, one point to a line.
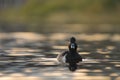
32	56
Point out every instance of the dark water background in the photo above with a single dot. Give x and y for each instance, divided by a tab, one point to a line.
32	56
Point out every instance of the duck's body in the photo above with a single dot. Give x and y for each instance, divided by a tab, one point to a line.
71	56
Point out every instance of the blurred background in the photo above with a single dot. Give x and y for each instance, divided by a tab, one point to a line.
34	32
60	15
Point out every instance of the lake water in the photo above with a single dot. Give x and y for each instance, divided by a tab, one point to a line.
32	56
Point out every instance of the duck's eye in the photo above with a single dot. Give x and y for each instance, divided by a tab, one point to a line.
73	46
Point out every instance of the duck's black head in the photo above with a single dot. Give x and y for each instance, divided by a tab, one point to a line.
72	40
72	45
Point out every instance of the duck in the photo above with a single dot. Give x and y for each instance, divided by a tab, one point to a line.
71	55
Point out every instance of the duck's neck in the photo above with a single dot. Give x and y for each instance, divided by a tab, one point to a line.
73	51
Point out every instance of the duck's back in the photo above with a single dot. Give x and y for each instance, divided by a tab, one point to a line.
73	57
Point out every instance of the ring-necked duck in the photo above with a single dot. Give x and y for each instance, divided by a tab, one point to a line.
71	56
